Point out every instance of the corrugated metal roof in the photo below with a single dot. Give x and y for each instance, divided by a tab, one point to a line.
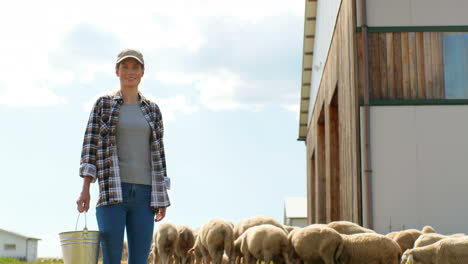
20	235
295	207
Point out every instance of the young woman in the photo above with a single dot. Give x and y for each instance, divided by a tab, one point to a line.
123	149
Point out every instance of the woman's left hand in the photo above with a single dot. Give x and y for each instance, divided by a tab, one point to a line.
160	214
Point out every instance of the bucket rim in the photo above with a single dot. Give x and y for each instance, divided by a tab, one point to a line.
71	232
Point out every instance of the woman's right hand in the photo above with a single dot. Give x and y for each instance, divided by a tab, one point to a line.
83	201
85	198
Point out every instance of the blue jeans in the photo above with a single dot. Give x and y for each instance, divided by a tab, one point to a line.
136	216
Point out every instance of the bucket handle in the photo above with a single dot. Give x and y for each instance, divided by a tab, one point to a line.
78	218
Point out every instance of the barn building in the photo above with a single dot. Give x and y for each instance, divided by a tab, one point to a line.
14	245
383	110
295	211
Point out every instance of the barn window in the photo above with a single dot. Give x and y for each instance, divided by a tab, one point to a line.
9	246
456	65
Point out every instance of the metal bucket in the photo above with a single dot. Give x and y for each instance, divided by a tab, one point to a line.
80	247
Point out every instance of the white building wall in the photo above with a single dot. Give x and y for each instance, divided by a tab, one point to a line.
300	222
7	238
327	12
419	164
385	13
32	251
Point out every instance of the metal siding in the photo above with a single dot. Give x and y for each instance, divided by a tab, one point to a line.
420	158
327	12
384	13
6	238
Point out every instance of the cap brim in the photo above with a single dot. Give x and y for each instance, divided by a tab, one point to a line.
129	56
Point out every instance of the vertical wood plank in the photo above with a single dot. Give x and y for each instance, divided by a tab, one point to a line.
360	65
374	72
428	65
420	65
383	64
437	70
311	188
321	213
442	66
405	66
397	61
390	66
413	70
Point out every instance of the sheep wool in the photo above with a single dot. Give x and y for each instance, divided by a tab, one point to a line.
215	238
368	248
263	243
314	244
348	228
247	223
165	239
185	242
453	250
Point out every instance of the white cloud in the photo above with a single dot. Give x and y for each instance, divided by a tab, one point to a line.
24	94
170	107
224	89
36	32
173	106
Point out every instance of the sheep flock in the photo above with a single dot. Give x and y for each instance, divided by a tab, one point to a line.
262	239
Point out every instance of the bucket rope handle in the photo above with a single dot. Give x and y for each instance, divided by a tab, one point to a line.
78	218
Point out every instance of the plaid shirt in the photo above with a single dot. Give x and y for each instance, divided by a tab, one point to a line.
99	157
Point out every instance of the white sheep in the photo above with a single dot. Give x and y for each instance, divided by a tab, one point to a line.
289	229
428	229
348	228
431	238
368	248
214	238
246	223
406	238
263	242
185	242
445	251
198	252
165	239
314	244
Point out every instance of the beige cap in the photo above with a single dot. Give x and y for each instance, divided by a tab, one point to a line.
130	53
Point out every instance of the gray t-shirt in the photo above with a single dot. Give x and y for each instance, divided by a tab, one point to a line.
133	145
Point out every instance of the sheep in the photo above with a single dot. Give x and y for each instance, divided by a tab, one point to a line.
290	228
184	244
165	239
348	228
445	251
368	248
263	242
246	223
431	238
428	229
314	244
406	238
198	252
214	238
151	256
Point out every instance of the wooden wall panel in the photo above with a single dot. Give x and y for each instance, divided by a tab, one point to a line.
403	65
340	77
413	65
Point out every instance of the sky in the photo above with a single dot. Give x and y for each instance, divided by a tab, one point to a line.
226	75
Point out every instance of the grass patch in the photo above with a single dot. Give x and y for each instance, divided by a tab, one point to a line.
39	261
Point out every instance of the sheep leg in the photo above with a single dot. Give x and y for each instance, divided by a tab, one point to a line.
249	259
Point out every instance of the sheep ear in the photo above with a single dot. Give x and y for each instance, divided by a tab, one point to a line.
410	259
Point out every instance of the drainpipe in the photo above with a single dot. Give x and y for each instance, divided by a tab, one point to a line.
366	118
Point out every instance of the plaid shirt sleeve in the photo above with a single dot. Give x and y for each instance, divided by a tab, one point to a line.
90	144
160	134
